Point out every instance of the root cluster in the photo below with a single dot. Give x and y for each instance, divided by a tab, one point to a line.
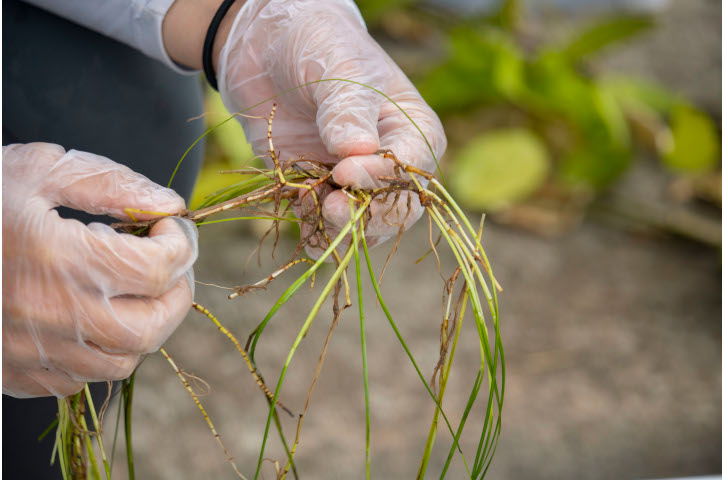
299	185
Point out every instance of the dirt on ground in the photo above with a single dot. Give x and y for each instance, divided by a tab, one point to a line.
613	364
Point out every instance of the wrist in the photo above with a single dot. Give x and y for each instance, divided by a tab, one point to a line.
223	32
185	26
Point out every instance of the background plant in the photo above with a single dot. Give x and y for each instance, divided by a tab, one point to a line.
536	133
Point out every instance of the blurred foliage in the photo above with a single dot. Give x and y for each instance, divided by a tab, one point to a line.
589	126
528	125
500	166
375	10
695	142
226	148
604	33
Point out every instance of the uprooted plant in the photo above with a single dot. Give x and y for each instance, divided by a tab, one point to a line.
297	183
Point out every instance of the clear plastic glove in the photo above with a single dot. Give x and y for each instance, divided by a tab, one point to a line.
83	303
277	45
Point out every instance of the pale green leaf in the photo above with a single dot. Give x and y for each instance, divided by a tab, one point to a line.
605	33
230	136
499	168
695	142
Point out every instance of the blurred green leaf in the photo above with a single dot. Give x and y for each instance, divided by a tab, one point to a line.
229	136
605	33
611	113
483	66
593	164
210	181
226	148
589	123
695	141
498	168
633	92
555	88
507	15
374	10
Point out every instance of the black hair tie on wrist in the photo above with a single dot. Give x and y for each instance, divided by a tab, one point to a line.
209	42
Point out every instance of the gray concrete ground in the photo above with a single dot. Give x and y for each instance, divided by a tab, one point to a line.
612	345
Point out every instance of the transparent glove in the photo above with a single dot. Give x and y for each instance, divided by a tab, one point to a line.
280	44
83	303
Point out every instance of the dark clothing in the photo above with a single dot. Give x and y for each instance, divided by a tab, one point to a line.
65	84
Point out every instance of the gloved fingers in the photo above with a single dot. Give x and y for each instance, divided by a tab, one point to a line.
137	324
90	337
307	203
118	264
83	362
294	143
330	42
318	246
347	118
17	383
362	171
91	364
30	162
56	382
308	211
397	132
95	184
387	214
399	135
317	243
345	121
21	383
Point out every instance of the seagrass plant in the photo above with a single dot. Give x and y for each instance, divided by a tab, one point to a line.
269	194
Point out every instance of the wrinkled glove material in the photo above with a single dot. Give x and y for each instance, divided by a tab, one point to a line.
277	45
82	302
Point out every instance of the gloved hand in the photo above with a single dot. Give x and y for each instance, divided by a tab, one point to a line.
280	44
82	303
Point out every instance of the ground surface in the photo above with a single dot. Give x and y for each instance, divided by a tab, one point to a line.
613	345
613	355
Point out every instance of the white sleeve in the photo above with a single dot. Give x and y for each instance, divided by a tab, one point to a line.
136	23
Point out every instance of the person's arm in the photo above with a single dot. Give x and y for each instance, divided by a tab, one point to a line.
185	26
167	30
